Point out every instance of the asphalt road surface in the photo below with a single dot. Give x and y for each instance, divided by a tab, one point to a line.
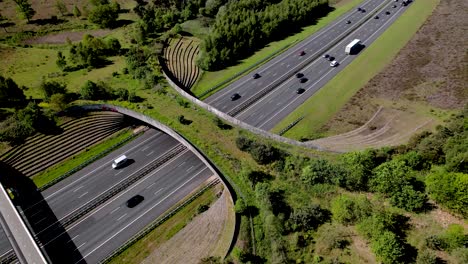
5	246
67	196
279	73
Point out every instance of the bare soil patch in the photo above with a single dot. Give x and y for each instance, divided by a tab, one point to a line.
61	38
431	71
198	239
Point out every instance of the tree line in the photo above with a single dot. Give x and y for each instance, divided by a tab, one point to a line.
242	27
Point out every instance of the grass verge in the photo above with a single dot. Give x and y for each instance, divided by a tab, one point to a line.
144	247
61	168
318	109
210	79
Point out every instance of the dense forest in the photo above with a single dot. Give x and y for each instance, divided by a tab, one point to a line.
242	27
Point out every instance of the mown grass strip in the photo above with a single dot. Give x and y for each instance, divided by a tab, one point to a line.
141	249
330	99
209	79
67	165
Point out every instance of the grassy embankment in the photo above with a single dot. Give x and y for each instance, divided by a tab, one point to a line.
61	168
318	109
210	79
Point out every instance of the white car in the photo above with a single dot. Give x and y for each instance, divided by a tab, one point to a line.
334	63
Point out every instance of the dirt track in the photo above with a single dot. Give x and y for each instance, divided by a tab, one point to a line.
431	69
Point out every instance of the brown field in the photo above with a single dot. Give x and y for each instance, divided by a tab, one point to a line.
427	79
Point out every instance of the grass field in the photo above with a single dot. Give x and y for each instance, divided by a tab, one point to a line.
330	98
144	247
61	168
210	79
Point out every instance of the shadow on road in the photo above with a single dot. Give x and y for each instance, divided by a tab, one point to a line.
50	234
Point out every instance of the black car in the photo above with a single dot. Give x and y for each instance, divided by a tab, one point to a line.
331	58
387	13
359	9
303	80
300	90
256	76
134	201
302	53
376	17
394	6
363	10
235	96
326	56
348	22
299	75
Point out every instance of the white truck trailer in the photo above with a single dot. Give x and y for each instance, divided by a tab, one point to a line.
353	46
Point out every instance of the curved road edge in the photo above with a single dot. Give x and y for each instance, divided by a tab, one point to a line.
224	179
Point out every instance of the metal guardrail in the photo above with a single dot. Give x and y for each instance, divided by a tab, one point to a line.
87	162
10	257
270	87
284	130
267	58
121	186
157	223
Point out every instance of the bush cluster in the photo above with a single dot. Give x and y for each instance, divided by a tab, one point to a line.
261	153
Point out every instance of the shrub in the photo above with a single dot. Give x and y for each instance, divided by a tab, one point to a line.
321	171
388	248
331	237
450	190
308	218
264	154
202	208
460	255
349	210
50	88
426	257
409	199
243	143
105	15
454	237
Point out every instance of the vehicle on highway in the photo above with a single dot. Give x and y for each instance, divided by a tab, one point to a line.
299	75
119	162
326	56
353	46
359	9
302	53
334	63
300	90
387	13
256	76
363	10
348	22
394	6
134	201
235	96
376	17
331	58
303	80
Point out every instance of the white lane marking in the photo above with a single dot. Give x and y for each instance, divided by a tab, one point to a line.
145	148
71	240
181	164
78	188
294	50
118	219
158	191
83	194
42	219
136	219
278	112
113	211
151	185
189	169
105	164
80	246
120	171
274	74
289	65
149	154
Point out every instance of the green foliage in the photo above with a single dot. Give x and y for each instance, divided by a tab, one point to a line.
461	255
92	51
322	171
105	15
456	152
450	190
349	210
308	218
50	88
25	9
61	61
379	222
240	206
95	91
409	199
426	257
331	237
61	7
252	24
243	143
76	11
58	102
10	92
454	237
202	208
261	153
359	166
388	248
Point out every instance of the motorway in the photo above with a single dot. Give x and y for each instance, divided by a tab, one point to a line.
66	198
278	75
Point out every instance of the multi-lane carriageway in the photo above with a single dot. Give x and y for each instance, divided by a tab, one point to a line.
175	173
265	101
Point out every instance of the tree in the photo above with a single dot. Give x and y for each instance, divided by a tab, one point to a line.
93	91
10	92
388	248
240	206
61	61
321	171
76	11
105	15
349	210
390	176
308	218
25	9
58	102
243	143
450	190
409	199
61	7
50	88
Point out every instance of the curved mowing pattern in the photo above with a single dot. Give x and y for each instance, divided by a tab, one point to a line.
42	151
179	56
